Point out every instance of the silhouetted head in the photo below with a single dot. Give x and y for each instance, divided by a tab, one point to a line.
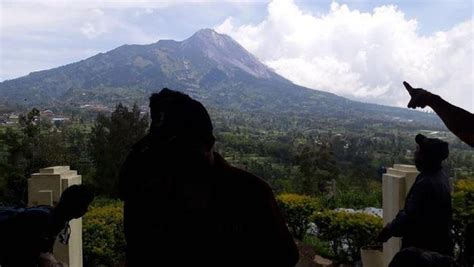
180	122
74	202
430	152
415	257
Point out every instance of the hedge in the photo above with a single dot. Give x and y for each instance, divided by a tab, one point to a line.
297	210
103	237
347	232
463	211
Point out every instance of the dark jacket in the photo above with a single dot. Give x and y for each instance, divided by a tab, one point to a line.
177	215
24	236
426	219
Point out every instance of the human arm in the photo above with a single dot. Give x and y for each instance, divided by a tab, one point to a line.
413	212
127	175
30	235
124	179
457	120
48	260
277	237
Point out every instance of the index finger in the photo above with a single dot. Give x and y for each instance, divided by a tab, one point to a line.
408	87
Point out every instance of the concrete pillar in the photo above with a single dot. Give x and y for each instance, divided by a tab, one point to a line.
45	188
396	185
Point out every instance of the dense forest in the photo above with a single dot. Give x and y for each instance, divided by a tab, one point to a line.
315	166
341	162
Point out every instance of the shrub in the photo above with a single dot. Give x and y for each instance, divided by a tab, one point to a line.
322	248
355	197
297	210
463	210
347	232
103	238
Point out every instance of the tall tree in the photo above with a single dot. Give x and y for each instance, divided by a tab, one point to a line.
317	167
110	141
33	145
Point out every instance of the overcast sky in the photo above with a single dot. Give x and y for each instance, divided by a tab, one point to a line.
359	49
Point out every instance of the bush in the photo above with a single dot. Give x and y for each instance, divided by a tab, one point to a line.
463	210
355	197
103	238
347	232
322	248
297	210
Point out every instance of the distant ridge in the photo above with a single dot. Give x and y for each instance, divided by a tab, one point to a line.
209	66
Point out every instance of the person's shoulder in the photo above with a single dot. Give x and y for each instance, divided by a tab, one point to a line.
242	178
248	177
433	176
35	216
432	181
424	179
139	150
39	211
141	145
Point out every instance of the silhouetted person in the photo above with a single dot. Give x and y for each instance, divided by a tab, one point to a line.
458	120
415	257
380	171
468	256
27	233
186	206
461	123
425	221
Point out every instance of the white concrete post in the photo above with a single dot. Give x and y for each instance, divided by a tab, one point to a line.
45	188
396	185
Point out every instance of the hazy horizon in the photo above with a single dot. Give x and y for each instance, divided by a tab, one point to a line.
354	49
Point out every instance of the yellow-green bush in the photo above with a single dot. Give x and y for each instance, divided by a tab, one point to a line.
103	238
347	232
297	210
463	210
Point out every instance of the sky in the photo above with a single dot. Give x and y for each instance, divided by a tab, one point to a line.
359	49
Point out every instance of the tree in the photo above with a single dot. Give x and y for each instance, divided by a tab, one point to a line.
111	140
317	167
77	140
12	168
34	145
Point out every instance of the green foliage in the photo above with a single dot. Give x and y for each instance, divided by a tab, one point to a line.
355	197
322	248
463	210
34	144
317	167
103	237
110	141
347	232
13	166
297	210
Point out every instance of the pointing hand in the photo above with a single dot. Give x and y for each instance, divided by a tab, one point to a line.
384	235
419	97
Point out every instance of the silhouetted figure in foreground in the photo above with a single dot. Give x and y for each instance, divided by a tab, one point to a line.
458	120
27	235
186	206
426	218
461	123
468	257
415	257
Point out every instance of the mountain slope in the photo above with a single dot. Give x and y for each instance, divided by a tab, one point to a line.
209	66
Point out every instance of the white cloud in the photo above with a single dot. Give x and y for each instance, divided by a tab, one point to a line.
98	27
90	31
362	55
46	28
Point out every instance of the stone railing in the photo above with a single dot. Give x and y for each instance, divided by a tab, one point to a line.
45	188
396	184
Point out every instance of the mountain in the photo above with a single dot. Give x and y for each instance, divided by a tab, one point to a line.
209	66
